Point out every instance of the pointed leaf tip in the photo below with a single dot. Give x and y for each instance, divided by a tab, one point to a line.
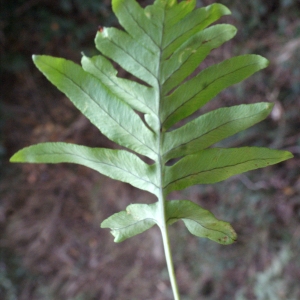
16	158
217	164
200	222
213	127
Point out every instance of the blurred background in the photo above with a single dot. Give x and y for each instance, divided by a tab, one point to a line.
51	246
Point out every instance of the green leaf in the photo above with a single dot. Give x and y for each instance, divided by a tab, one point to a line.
98	104
140	217
176	12
117	164
138	96
180	30
213	127
196	92
136	219
191	53
137	23
128	53
161	46
200	222
142	25
217	164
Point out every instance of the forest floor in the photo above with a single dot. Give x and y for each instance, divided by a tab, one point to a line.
51	245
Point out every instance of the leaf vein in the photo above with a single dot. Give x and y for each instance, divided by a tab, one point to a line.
137	23
132	224
192	53
98	104
207	228
206	87
183	33
208	132
103	163
144	66
213	169
124	90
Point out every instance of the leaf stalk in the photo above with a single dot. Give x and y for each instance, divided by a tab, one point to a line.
164	228
169	259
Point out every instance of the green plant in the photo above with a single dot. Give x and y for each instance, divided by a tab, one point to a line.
163	44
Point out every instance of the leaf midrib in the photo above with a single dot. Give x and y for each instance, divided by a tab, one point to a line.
190	219
133	224
97	162
216	168
191	53
208	132
178	37
115	82
138	25
206	87
133	58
